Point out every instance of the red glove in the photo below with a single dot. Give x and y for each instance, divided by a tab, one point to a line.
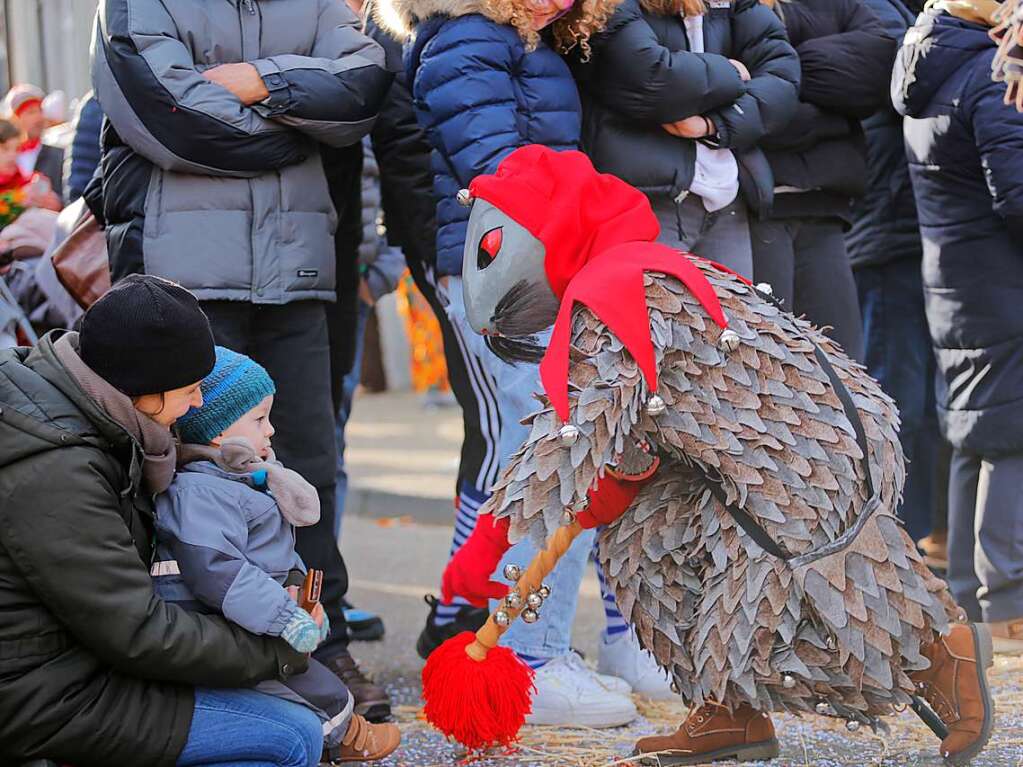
468	573
611	497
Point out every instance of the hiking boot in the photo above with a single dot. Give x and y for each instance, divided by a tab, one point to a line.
363	626
365	742
711	733
371	701
1007	636
955	687
432	636
935	550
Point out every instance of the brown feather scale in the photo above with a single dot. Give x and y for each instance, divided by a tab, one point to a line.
728	620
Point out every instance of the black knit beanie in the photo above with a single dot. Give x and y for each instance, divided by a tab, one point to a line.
147	335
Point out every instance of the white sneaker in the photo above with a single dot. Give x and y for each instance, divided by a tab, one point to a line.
623	657
568	693
613	683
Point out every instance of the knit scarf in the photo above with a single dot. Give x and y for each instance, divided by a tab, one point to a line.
976	11
296	499
159	456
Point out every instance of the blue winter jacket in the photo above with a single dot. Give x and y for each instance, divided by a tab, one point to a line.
965	149
479	95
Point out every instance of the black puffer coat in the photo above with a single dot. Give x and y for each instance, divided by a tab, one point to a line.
884	226
95	670
642	75
846	59
965	150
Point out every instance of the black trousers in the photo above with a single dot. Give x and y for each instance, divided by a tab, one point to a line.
806	264
291	342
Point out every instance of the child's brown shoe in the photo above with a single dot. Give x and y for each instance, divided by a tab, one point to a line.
365	742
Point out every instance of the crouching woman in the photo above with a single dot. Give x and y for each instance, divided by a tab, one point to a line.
94	668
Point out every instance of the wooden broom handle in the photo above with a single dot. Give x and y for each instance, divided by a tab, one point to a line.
541	566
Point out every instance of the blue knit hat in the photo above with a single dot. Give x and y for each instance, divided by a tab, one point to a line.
236	385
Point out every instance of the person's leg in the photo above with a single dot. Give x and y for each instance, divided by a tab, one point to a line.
998	556
244	727
825	291
774	259
898	353
964	475
681	222
348	386
726	239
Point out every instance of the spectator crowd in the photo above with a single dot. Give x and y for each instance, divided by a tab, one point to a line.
188	264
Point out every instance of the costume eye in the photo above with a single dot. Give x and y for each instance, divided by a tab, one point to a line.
488	249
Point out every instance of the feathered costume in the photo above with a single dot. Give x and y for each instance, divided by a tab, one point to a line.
763	563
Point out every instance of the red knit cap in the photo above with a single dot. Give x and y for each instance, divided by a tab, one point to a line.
573	210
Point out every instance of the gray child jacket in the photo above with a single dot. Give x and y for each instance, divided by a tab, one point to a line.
224	546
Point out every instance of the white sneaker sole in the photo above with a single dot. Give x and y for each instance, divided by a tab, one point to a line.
598	720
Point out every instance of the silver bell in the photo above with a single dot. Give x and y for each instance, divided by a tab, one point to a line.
765	288
823	708
655	405
567	517
568	434
830	642
729	340
513	601
535	601
464	197
675	688
583	505
530	616
501	618
788	681
544	591
512	572
852	725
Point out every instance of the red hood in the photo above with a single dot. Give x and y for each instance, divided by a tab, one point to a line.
574	211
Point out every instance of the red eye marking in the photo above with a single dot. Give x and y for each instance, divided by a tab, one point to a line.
489	247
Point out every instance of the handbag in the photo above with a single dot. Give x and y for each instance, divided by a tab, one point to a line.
81	261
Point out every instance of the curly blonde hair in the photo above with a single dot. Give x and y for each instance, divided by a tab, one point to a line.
586	18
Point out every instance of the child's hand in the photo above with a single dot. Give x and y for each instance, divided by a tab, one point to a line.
320	616
302	632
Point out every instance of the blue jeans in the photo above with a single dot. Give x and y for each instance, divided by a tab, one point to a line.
551	635
898	354
244	728
345	411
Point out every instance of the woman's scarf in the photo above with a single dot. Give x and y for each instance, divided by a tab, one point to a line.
159	454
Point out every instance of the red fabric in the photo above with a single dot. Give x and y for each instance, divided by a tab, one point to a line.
29	145
14	180
623	308
26	104
610	499
599	237
468	573
478	703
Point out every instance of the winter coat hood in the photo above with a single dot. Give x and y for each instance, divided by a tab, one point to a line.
400	17
932	52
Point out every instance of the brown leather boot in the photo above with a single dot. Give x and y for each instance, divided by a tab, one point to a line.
955	687
371	700
711	733
365	742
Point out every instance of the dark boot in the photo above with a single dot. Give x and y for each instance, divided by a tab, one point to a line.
371	701
955	687
711	733
432	636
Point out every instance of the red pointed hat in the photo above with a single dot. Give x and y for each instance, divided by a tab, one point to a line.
598	233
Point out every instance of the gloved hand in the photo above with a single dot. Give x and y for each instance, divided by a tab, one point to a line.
468	573
320	616
302	633
612	496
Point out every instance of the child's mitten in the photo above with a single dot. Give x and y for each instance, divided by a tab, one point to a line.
324	628
302	633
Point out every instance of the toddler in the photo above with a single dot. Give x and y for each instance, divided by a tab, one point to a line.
226	543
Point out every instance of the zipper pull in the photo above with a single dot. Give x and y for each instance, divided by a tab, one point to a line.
251	6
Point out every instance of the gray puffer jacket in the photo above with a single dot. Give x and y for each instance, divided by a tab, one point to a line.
230	201
222	544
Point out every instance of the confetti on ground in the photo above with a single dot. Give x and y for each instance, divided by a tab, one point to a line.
806	742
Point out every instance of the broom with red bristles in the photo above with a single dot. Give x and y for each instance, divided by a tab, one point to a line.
479	693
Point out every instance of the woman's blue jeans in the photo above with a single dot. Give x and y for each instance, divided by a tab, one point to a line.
244	728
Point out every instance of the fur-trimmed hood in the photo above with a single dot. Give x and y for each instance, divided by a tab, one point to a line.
400	17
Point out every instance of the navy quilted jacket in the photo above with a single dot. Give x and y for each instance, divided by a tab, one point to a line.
965	150
479	95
